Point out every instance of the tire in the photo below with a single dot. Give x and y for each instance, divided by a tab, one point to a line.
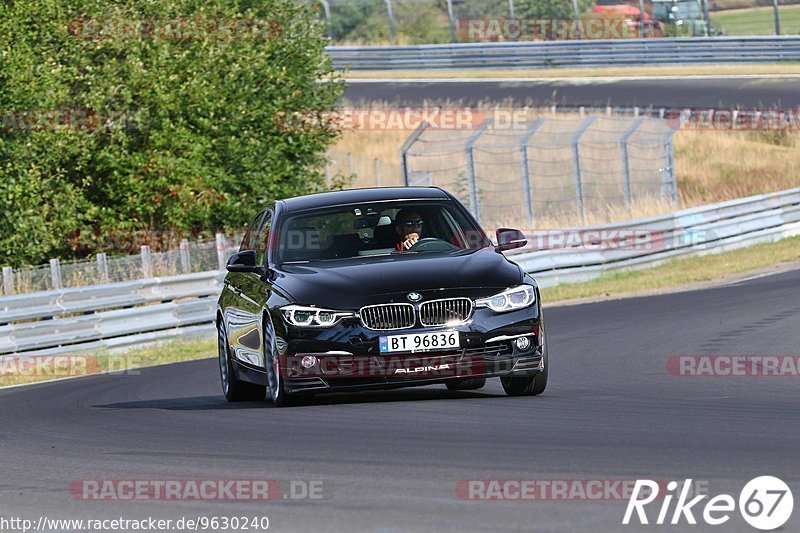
277	393
466	384
529	385
233	389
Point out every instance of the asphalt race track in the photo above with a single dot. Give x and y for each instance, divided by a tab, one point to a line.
700	92
390	461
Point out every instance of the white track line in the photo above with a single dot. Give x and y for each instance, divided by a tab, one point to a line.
585	79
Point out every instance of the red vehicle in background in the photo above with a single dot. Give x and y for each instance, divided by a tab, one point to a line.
625	20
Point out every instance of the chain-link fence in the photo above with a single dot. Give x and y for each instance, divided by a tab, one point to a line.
190	257
546	169
366	171
406	22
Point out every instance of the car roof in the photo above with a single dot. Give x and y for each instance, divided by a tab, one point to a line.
357	196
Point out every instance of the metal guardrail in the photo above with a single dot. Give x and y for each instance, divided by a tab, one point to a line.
550	54
111	315
85	318
697	231
50	304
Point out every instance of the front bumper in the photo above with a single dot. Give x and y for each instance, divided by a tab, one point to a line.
347	357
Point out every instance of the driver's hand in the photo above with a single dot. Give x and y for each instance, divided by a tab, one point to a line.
411	240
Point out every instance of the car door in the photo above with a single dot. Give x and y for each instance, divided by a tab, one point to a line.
243	315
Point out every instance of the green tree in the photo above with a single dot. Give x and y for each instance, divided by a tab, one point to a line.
550	9
113	120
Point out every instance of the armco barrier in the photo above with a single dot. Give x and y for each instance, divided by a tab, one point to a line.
183	306
697	231
109	296
550	54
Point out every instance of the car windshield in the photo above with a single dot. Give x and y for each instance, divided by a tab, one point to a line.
377	230
687	10
676	10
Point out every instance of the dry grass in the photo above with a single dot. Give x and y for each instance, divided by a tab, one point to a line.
692	270
711	166
17	370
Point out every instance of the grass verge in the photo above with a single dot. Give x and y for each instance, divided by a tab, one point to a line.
30	369
757	21
681	272
608	72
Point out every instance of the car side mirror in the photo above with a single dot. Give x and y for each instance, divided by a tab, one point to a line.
509	239
244	262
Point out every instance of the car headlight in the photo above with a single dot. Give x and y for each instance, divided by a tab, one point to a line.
509	300
313	317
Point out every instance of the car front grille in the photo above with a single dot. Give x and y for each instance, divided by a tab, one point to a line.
489	350
441	312
388	316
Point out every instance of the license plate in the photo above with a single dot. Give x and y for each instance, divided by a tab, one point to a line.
420	342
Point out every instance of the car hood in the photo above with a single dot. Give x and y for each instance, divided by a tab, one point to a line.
364	281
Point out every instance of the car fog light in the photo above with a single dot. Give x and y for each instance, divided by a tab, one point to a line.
523	343
309	361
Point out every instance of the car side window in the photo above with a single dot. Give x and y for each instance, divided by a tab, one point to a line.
248	242
262	238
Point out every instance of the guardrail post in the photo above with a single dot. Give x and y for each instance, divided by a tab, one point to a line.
326	7
55	273
707	17
390	12
377	172
626	163
147	262
669	181
186	261
222	258
777	17
576	166
474	205
102	267
452	18
525	169
641	20
407	146
576	15
8	281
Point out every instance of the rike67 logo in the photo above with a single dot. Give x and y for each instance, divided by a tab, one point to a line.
766	503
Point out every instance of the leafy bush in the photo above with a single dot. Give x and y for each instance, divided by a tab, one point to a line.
116	125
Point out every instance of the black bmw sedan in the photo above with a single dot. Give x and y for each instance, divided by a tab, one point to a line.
376	289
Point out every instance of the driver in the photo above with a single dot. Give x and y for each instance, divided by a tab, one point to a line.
408	224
